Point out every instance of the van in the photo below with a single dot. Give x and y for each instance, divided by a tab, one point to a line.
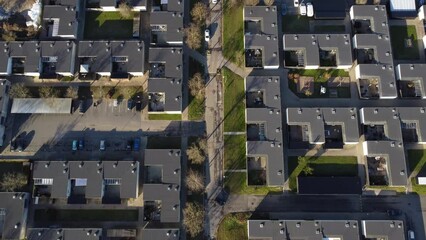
302	9
310	9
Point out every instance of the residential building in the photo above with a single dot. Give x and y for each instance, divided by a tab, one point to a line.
374	68
383	229
261	37
13	214
333	127
165	80
162	189
264	146
412	80
64	233
115	59
403	8
4	107
385	132
330	9
166	22
160	233
113	5
60	20
46	59
312	51
80	182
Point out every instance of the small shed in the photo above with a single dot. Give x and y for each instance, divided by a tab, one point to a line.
403	8
42	105
421	180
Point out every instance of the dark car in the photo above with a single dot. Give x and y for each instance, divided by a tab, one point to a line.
393	212
81	107
129	145
80	144
20	145
138	105
136	144
129	104
222	197
13	146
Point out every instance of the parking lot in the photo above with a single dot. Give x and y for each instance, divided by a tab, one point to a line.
50	136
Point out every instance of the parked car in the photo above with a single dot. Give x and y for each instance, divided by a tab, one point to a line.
302	9
129	104
310	9
13	146
411	235
138	105
129	145
74	145
102	145
115	103
214	1
20	145
80	144
393	212
81	107
283	9
136	144
207	35
296	3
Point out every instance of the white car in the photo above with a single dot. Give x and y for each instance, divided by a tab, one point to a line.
302	9
296	3
207	35
310	9
411	235
214	1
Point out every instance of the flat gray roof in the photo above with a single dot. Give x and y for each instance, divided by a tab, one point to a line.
303	229
388	229
64	52
14	206
412	72
311	44
377	15
66	17
160	233
104	51
267	40
42	105
317	118
171	83
107	3
271	116
383	73
64	233
95	173
173	22
169	190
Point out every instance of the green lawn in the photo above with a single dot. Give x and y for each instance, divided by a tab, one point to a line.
295	24
236	182
233	226
321	75
234	102
175	117
323	166
67	215
399	35
235	152
416	162
107	25
196	107
330	29
233	34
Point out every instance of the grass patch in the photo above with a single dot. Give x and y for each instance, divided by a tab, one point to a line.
322	166
295	24
196	107
175	117
233	226
73	215
234	101
107	25
321	75
387	188
233	34
236	182
235	152
329	29
416	163
399	36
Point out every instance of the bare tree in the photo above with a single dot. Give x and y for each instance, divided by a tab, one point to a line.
193	218
230	4
269	2
251	2
202	144
194	181
195	155
199	13
48	92
193	36
13	181
72	92
197	86
125	9
9	36
361	1
308	93
19	91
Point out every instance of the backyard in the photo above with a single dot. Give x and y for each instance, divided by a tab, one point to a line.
233	34
165	116
322	166
233	226
107	25
417	160
295	24
236	183
404	42
235	152
73	215
196	106
234	102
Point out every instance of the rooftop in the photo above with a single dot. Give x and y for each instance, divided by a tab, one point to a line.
13	207
65	23
64	233
388	229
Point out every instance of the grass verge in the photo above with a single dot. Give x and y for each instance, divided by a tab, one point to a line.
107	25
400	36
236	182
235	152
322	166
416	163
234	102
295	24
233	34
175	117
233	226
